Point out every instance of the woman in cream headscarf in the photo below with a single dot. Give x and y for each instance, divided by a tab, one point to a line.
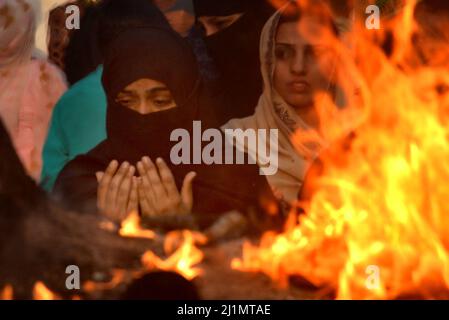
303	78
29	87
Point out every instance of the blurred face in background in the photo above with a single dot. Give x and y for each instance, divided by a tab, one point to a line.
182	19
305	62
17	28
146	96
214	24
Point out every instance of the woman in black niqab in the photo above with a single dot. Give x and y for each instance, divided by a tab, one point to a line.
160	54
235	53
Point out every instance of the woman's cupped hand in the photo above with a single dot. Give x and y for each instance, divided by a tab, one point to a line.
148	188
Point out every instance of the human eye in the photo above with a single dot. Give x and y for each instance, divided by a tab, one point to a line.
163	101
126	100
283	52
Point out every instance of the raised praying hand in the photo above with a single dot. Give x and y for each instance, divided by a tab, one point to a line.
154	192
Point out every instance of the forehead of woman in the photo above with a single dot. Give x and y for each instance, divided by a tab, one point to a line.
150	53
309	30
312	20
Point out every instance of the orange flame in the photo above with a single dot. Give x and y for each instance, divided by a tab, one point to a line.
7	293
41	292
184	259
131	228
377	223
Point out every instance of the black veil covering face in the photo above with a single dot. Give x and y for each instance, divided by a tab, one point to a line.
235	52
162	55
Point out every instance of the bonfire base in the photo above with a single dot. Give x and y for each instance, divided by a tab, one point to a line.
220	282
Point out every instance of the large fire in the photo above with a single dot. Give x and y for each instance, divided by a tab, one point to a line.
377	223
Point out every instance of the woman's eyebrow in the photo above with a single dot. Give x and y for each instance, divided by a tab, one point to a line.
127	92
157	90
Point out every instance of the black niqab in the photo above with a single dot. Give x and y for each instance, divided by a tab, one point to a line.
157	54
235	53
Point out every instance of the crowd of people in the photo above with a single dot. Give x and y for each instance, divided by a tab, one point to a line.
92	123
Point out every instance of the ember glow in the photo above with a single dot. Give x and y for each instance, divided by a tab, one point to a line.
131	228
382	201
7	293
185	254
41	292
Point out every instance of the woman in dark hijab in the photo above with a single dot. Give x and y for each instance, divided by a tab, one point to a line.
153	87
75	51
82	55
234	48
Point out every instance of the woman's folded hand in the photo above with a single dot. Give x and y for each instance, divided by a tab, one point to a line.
117	191
158	194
